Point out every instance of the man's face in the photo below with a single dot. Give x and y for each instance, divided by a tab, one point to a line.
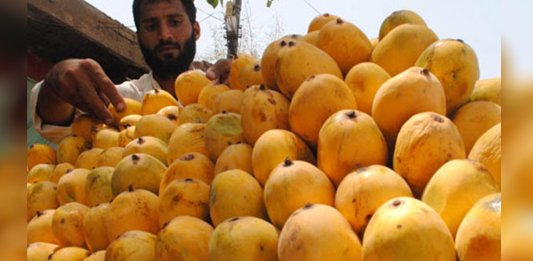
167	38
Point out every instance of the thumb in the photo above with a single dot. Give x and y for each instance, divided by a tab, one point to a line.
211	74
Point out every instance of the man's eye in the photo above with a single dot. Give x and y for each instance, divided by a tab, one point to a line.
150	27
174	22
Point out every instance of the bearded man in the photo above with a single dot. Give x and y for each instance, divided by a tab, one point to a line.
167	32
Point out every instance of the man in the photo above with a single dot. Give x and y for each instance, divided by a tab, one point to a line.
167	31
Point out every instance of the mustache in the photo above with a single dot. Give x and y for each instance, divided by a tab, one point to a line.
168	44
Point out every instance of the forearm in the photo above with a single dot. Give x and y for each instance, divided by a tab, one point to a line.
52	109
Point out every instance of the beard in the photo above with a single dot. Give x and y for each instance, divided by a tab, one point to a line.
170	67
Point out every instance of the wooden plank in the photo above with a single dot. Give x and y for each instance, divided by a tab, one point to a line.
94	25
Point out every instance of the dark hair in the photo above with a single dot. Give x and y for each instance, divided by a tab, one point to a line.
187	4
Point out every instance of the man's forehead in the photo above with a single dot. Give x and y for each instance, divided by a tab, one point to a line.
154	8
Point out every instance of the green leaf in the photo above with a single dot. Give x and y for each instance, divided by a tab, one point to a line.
269	3
213	3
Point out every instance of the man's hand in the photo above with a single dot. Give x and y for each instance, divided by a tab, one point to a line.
77	83
219	72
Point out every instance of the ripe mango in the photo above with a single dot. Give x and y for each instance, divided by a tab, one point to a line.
67	224
317	98
69	254
172	112
364	190
291	185
86	126
71	187
318	232
184	197
456	187
488	151
475	118
364	80
129	121
244	238
187	138
132	210
40	153
241	67
39	251
148	145
298	60
348	140
235	193
89	158
455	64
140	171
208	94
70	147
60	170
273	147
319	21
182	238
405	228
404	95
40	196
106	138
132	245
398	18
229	101
191	165
94	227
236	156
263	110
345	43
425	142
487	90
188	86
41	172
155	125
222	130
155	100
479	235
269	60
194	113
402	46
96	256
39	228
132	107
98	186
110	157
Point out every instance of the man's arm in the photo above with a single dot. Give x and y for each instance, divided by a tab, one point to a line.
77	83
52	109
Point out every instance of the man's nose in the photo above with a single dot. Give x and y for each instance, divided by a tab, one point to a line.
166	33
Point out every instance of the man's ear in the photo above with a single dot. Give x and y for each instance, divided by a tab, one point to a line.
196	28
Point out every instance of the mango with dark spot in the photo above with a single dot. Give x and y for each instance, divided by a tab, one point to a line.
399	227
318	232
244	238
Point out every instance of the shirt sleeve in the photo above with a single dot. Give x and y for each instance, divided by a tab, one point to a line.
52	133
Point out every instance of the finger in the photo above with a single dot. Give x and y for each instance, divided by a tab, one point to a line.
106	86
94	104
224	68
104	98
219	71
211	74
81	107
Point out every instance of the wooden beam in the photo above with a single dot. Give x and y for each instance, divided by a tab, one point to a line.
60	29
